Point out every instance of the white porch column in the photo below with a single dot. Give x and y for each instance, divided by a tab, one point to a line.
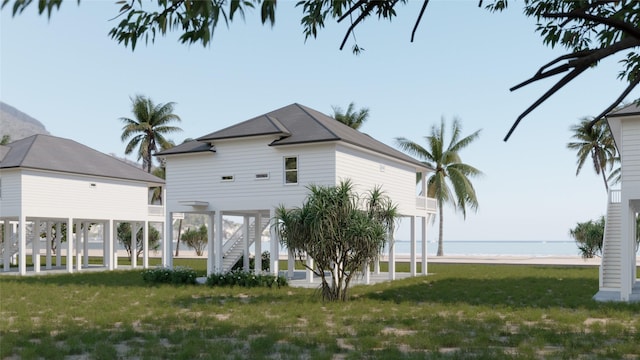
309	271
134	244
275	245
218	238
167	241
392	257
6	255
413	263
114	245
425	260
85	244
367	274
245	243
22	245
48	246
35	245
145	244
257	264
108	239
69	245
210	244
628	223
79	233
376	266
58	243
291	263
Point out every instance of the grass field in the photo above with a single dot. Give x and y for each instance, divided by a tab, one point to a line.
459	312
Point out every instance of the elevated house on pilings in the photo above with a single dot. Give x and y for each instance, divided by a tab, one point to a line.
618	278
53	189
250	168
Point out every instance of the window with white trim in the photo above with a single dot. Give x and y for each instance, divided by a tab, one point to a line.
291	170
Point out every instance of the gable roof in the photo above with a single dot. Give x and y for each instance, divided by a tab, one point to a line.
629	110
46	152
298	124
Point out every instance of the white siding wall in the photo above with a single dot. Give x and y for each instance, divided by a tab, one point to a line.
10	192
367	170
199	176
49	194
631	158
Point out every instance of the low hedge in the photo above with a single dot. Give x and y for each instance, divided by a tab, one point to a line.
246	279
177	275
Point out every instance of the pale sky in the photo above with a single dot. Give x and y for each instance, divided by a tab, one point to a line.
71	76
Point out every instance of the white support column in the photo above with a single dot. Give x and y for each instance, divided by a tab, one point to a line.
217	240
376	266
425	260
22	245
108	239
35	254
167	241
85	244
245	243
309	272
275	245
258	246
367	274
291	263
392	257
114	245
413	263
6	255
134	244
58	243
79	234
103	229
210	244
628	243
48	246
145	244
69	245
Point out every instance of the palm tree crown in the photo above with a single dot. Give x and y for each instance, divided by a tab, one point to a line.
148	128
450	181
351	118
594	140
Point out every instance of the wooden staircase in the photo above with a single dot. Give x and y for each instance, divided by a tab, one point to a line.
233	250
611	266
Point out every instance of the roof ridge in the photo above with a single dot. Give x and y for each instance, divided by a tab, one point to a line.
303	108
275	122
34	136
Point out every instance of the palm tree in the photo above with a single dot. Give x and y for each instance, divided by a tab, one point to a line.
351	118
595	140
148	128
450	182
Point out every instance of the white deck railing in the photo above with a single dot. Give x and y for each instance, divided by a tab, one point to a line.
428	204
615	196
156	210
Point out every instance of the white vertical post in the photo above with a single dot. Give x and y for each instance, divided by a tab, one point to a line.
210	244
291	263
114	245
69	245
22	245
218	238
413	262
35	254
48	246
309	271
258	246
6	255
58	243
108	239
376	266
134	244
392	257
85	245
275	245
245	243
79	233
425	219
145	244
367	274
167	241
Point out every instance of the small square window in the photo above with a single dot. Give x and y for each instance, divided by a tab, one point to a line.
227	178
262	176
291	170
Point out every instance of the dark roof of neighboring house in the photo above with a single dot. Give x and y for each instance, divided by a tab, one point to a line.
629	110
46	152
298	124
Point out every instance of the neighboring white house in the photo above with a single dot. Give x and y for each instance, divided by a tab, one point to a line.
47	181
250	168
618	269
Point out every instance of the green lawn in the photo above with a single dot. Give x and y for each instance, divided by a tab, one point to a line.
462	311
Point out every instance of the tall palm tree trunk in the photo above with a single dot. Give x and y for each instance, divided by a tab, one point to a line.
440	222
178	242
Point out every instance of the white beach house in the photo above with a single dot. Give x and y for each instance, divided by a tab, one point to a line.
47	181
618	280
250	168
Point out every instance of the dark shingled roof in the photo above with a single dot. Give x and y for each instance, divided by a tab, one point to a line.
629	110
45	152
188	147
298	124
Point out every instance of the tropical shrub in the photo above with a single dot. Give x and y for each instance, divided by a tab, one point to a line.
196	239
246	279
589	237
177	275
124	238
252	262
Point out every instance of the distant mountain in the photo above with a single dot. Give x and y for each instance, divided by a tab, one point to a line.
17	124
